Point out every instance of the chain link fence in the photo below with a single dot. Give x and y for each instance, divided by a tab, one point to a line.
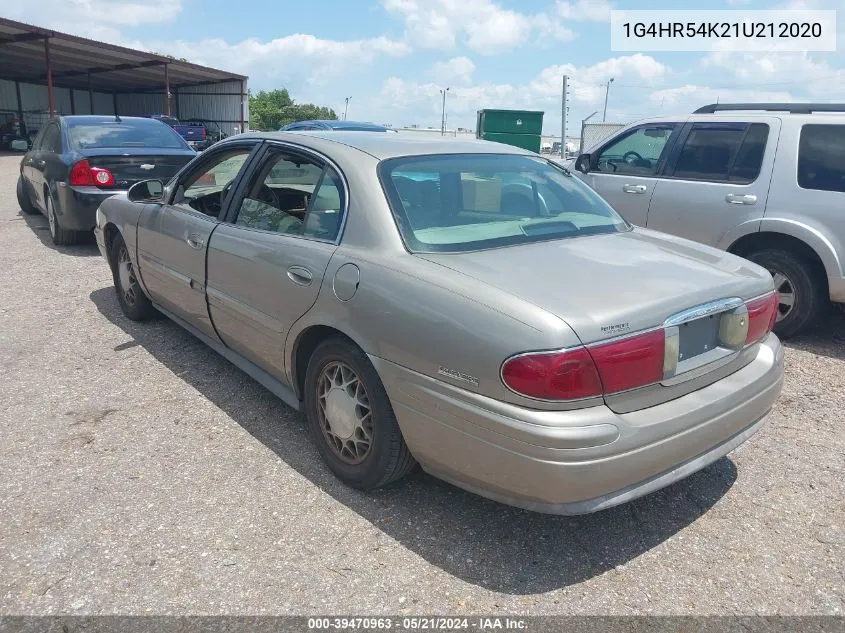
592	133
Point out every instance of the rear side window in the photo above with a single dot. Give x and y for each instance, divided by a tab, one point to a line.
723	153
821	157
52	141
463	202
124	133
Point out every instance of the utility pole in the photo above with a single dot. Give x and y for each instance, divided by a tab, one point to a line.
606	95
346	107
443	115
563	111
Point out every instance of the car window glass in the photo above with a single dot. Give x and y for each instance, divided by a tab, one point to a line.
51	141
205	190
453	203
326	211
746	168
278	195
39	139
636	154
710	153
821	157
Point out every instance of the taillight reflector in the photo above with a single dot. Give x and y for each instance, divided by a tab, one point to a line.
631	362
762	314
82	174
565	375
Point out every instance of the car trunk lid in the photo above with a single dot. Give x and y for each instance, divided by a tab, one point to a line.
128	169
615	285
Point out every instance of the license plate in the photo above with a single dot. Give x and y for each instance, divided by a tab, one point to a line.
698	337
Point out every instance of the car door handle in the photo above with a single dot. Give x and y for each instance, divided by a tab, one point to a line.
195	241
300	275
634	188
734	198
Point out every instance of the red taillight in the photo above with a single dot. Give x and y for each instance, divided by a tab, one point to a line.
82	174
566	375
631	362
762	314
583	373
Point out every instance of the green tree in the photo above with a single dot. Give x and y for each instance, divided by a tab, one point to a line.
271	109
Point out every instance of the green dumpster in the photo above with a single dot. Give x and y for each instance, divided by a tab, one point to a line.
521	128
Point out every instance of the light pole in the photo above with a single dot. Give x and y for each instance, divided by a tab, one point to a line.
443	115
606	95
346	107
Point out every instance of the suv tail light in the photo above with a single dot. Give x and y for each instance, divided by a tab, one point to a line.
82	174
762	314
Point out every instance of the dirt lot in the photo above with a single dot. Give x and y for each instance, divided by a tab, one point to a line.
141	473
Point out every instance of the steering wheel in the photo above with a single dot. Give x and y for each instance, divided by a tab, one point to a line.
631	156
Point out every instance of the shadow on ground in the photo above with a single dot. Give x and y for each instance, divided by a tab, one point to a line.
87	247
827	340
482	542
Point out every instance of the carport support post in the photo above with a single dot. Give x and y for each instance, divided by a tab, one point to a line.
166	90
243	96
21	123
50	104
90	96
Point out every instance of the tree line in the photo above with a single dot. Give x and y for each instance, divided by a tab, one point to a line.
270	110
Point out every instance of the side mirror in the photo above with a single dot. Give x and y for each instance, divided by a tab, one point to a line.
582	163
146	191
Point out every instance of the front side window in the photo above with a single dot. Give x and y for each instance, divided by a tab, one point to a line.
206	189
462	202
637	153
821	157
293	195
722	153
123	133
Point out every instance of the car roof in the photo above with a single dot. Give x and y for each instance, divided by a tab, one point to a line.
341	125
101	118
383	146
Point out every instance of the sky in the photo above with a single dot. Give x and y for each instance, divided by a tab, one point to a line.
392	57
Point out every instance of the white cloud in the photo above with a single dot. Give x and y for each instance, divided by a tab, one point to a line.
298	57
813	75
689	97
589	10
457	69
485	26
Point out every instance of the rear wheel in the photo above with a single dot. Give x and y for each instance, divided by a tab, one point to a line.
803	297
134	303
351	419
23	199
60	236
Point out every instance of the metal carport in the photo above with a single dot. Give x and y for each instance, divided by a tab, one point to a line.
45	72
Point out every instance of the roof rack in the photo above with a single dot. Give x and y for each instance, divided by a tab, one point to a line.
792	108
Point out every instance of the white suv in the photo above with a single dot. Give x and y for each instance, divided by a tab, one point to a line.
764	181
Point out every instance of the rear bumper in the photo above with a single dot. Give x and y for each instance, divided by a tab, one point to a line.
575	462
77	206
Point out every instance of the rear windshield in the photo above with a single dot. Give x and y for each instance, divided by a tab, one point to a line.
463	202
125	133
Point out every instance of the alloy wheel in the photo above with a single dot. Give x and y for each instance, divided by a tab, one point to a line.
344	412
51	217
786	290
126	275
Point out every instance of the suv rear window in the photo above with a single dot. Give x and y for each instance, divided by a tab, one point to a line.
821	157
463	202
723	153
124	133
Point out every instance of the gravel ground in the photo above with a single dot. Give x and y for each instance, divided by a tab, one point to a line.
141	473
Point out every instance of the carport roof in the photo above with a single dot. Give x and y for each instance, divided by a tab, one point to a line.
111	68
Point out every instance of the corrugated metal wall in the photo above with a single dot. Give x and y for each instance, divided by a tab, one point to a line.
217	103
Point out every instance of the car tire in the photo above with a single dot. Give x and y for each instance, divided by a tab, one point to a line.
59	235
795	278
23	200
133	302
351	419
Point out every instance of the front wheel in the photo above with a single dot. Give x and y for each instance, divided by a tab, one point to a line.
133	302
351	419
803	296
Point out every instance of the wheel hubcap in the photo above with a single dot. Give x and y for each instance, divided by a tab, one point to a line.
344	411
786	290
51	217
126	276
